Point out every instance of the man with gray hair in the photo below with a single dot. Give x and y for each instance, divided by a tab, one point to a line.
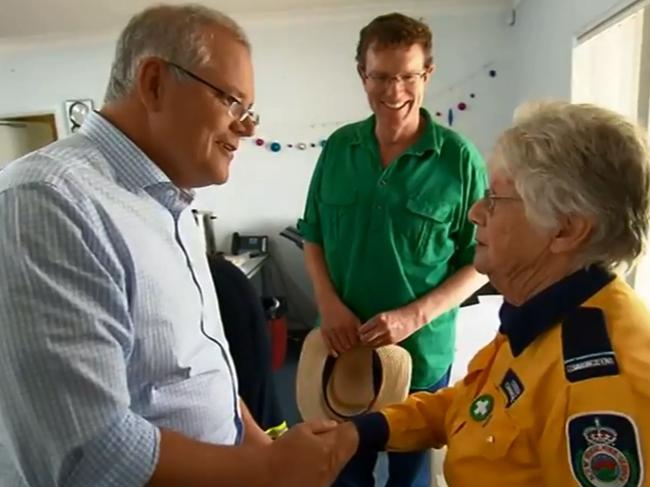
114	368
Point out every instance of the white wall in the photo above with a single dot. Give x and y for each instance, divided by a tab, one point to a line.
38	77
305	74
544	37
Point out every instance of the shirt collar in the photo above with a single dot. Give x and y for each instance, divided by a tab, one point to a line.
131	166
430	140
523	324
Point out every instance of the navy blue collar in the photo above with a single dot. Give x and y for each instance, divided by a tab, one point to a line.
523	324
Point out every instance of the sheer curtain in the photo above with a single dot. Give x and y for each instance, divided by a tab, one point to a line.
611	67
607	66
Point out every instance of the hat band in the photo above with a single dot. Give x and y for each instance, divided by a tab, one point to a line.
377	378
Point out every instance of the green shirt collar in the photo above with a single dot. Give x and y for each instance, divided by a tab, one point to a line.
430	140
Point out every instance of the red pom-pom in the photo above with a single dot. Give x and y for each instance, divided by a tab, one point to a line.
259	142
462	105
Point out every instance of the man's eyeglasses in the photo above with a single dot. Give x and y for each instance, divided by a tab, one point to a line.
491	199
236	107
406	79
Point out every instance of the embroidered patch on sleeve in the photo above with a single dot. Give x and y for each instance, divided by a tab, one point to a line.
593	365
604	450
586	346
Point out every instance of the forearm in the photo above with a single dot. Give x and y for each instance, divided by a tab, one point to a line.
253	434
318	273
452	292
183	461
415	424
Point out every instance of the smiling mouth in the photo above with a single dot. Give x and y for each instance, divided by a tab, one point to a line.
227	146
395	106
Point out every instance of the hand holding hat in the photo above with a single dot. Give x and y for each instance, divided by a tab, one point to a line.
358	381
391	327
339	326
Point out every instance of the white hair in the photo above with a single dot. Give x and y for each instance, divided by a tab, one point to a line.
177	34
582	159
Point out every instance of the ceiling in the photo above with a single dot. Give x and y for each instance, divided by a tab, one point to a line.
37	19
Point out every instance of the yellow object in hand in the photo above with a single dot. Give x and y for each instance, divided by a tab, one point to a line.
276	431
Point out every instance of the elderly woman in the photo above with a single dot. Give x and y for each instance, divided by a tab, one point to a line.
561	396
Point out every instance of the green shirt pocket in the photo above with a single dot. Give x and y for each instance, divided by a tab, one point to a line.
337	214
427	227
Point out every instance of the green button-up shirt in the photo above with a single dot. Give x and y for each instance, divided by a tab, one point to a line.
391	235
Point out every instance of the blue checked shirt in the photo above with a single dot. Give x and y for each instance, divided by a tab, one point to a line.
109	322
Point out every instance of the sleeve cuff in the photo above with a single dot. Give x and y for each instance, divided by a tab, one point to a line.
310	232
126	454
373	431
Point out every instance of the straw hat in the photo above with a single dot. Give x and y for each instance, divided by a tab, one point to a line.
358	381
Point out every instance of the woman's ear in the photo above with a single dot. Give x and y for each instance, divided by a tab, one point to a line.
573	232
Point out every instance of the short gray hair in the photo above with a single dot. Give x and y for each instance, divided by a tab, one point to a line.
582	159
174	33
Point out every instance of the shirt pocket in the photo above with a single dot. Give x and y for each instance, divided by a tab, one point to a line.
500	439
492	440
426	226
337	216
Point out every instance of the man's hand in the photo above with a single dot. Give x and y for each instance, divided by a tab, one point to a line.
253	434
392	327
305	455
346	441
339	326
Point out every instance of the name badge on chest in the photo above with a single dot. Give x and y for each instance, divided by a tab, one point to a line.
512	387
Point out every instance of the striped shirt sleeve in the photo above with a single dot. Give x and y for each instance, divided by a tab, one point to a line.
65	338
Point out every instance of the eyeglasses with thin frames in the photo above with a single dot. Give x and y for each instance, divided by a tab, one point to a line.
491	199
406	79
236	107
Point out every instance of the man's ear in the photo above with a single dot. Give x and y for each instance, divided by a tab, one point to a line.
429	72
151	82
573	233
361	71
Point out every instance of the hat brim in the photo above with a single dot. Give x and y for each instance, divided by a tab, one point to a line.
396	378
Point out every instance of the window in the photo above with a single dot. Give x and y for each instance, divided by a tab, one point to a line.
606	66
611	67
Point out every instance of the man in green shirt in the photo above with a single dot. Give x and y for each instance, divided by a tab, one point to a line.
389	248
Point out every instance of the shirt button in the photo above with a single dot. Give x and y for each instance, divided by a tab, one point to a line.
490	439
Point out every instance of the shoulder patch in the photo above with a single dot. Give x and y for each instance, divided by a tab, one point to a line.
604	450
586	347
